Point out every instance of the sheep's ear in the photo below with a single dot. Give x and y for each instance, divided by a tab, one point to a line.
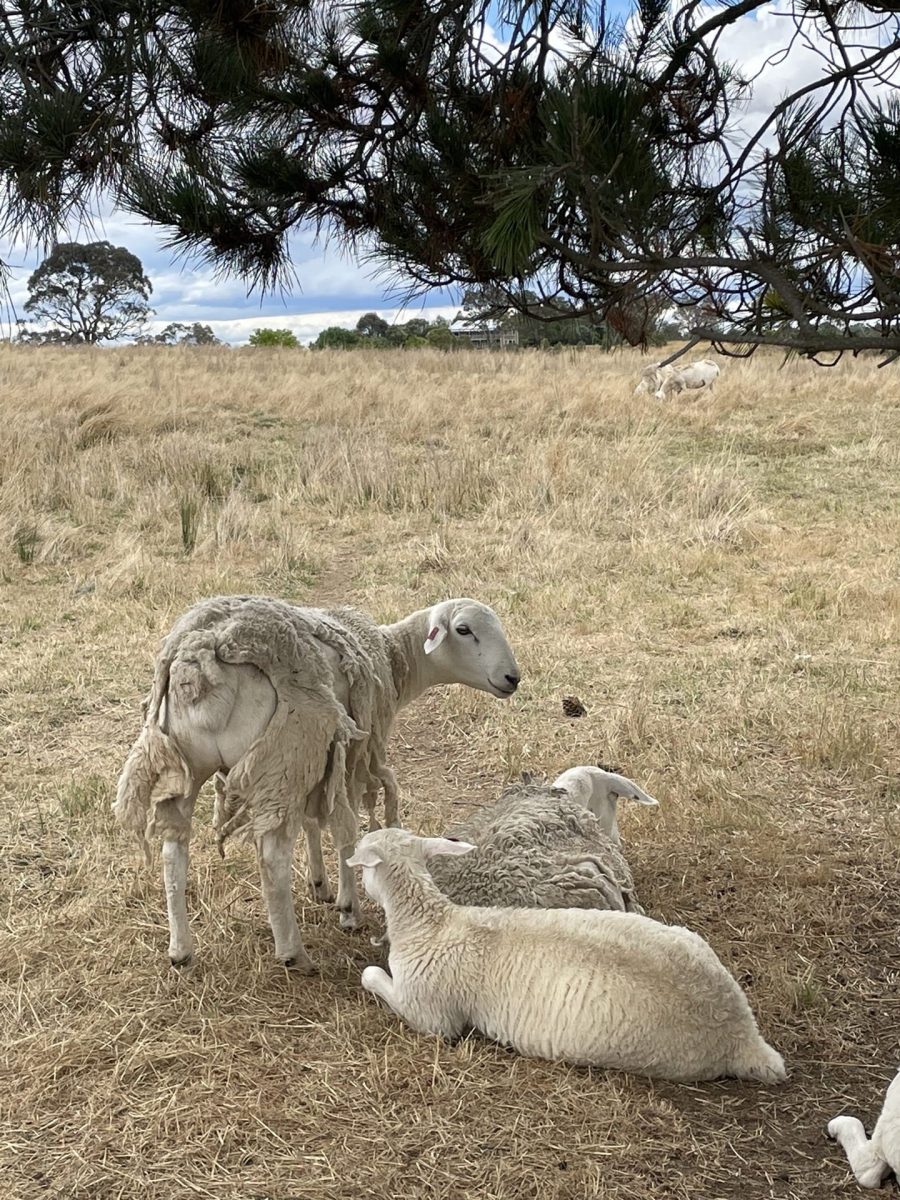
365	856
433	846
438	627
643	798
633	792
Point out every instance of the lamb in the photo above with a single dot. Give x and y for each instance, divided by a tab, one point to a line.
293	707
871	1161
608	989
541	846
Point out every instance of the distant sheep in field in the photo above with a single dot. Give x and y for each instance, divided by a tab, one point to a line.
670	380
872	1160
545	845
607	989
293	707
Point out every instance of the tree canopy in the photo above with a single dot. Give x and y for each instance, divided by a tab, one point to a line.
285	338
610	168
88	293
176	333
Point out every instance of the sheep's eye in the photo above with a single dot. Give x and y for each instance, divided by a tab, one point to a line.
463	630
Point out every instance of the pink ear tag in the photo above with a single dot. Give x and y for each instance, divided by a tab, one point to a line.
433	634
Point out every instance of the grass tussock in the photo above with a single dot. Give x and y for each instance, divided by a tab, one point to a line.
715	577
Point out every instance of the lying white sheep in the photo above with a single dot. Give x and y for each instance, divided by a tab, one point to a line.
607	989
294	707
872	1160
541	846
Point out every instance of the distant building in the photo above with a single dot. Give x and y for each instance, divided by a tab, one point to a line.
487	331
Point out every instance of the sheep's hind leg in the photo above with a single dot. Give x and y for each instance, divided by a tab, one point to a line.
868	1167
276	852
175	870
319	885
174	816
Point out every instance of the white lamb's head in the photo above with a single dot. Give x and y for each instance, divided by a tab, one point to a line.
599	791
382	849
466	644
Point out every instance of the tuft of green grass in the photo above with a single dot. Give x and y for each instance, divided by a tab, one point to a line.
214	482
190	509
26	540
805	992
83	796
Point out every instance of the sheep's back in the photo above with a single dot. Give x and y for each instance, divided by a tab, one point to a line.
536	850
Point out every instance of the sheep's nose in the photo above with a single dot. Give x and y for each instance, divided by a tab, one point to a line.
513	681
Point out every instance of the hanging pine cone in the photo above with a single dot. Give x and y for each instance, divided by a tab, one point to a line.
573	707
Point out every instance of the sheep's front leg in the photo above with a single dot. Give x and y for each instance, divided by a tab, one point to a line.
371	801
175	870
276	852
391	798
345	831
347	898
318	875
868	1167
379	983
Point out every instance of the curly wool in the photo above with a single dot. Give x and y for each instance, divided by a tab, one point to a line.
536	848
313	747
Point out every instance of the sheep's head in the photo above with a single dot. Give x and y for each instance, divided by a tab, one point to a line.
378	851
599	791
466	644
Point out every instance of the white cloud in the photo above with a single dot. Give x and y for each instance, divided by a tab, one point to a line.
780	55
331	288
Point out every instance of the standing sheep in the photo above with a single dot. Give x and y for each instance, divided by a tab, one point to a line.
293	707
668	380
607	989
701	373
541	846
651	378
872	1160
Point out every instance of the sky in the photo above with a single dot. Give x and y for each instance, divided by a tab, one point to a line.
332	289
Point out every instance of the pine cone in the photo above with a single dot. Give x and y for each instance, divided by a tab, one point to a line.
573	707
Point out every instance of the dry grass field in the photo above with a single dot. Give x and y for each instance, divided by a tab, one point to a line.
716	578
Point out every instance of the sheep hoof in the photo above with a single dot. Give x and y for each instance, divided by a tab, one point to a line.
350	920
321	891
303	966
184	961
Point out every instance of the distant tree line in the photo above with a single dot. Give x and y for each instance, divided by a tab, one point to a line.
373	332
86	294
535	323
